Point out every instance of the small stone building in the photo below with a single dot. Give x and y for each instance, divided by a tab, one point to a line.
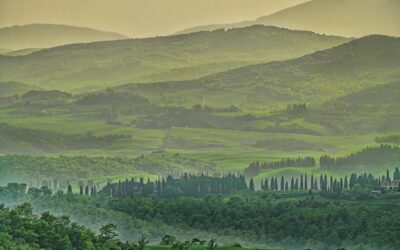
391	185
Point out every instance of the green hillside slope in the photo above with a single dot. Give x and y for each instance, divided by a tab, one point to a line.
21	52
370	110
159	59
351	18
313	78
50	35
13	88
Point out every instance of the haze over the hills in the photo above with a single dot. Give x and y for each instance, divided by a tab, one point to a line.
350	18
137	18
180	57
50	35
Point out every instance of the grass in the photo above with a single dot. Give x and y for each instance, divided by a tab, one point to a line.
230	150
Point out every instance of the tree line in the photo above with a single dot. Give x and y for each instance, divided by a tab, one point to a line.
328	184
186	185
256	167
370	156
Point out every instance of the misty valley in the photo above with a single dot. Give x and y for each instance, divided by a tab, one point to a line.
281	132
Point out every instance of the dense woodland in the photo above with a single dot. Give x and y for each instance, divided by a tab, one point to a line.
22	229
187	185
194	186
371	156
384	155
329	184
304	220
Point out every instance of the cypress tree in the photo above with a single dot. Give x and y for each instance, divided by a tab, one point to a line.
292	184
312	181
305	182
301	182
396	174
251	185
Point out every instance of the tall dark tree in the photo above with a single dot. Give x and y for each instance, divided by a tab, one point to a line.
292	184
301	182
251	185
305	182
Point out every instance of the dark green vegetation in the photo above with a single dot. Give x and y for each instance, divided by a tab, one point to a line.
21	229
159	59
187	185
378	157
351	18
348	217
50	35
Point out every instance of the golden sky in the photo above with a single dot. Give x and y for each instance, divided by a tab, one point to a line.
137	18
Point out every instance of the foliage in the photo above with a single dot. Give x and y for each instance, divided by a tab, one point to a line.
370	156
21	229
61	169
256	167
187	185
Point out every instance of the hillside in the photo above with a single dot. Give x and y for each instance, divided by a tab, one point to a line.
4	51
13	88
21	52
50	35
375	109
182	57
313	78
349	18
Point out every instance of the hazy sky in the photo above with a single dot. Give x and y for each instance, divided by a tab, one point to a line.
137	18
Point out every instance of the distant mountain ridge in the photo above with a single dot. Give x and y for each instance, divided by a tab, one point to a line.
349	18
50	35
181	57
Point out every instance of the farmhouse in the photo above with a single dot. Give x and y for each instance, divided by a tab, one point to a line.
391	185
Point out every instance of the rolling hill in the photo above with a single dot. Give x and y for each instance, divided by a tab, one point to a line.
13	88
181	57
4	51
21	52
50	35
370	110
314	78
349	18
